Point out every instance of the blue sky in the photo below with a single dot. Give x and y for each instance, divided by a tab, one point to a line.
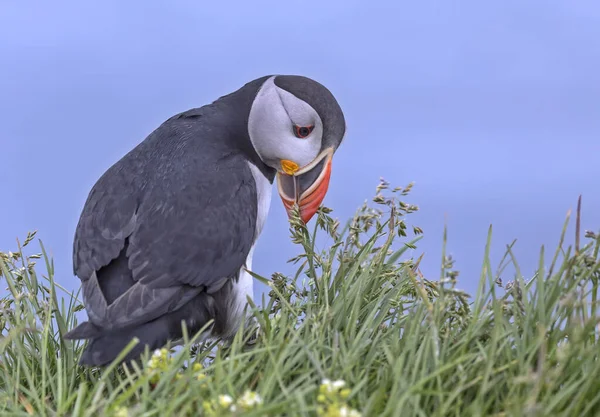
491	108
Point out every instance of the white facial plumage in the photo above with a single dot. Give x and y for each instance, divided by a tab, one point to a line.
270	126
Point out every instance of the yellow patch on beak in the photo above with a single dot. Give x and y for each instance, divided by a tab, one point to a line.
289	167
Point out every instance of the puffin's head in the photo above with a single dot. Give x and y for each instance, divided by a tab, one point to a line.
296	125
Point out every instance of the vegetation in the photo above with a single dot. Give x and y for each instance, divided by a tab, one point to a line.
357	331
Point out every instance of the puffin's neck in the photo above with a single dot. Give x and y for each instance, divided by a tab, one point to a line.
239	103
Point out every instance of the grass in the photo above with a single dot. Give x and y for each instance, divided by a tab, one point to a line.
357	331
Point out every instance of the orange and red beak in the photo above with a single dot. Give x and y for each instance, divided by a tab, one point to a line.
306	186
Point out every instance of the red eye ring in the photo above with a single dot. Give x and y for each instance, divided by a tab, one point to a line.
303	131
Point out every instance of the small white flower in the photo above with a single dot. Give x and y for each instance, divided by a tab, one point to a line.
331	386
250	399
338	384
225	400
348	412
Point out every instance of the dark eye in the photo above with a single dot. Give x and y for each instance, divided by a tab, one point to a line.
303	131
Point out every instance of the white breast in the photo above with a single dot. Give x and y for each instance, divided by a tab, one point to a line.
263	196
244	286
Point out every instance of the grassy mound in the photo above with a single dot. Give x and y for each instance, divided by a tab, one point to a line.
357	331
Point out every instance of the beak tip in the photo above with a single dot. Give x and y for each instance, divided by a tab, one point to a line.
310	200
307	215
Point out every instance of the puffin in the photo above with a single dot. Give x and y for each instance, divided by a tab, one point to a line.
167	234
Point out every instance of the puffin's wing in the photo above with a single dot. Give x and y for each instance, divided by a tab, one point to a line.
108	218
185	227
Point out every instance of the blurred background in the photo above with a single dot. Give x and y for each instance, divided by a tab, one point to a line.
491	108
